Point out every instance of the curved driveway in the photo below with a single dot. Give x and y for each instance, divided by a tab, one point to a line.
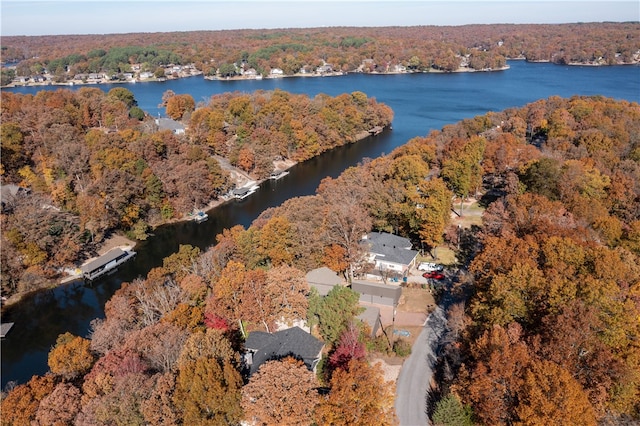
415	376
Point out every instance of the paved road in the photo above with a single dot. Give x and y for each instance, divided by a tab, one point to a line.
415	376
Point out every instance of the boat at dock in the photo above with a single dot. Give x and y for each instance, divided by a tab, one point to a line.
106	263
278	175
199	216
244	192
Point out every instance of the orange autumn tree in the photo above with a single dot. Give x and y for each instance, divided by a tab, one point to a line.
281	392
179	105
358	396
71	356
20	406
208	383
550	396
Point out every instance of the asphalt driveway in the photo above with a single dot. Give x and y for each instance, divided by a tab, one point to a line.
417	370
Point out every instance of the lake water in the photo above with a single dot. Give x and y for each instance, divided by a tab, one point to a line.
421	103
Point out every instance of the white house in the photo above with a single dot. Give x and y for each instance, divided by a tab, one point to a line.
390	253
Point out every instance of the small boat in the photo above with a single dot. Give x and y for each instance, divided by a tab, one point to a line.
278	175
200	217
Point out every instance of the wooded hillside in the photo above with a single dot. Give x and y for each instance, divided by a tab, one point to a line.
342	48
550	333
97	169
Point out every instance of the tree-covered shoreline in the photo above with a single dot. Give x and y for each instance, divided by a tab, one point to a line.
319	50
551	284
101	167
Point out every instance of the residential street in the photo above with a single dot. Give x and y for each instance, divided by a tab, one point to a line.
416	372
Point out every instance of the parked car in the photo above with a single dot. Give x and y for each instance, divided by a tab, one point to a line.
428	266
434	275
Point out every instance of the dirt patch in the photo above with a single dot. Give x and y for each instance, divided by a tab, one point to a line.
390	371
116	241
471	214
281	165
415	300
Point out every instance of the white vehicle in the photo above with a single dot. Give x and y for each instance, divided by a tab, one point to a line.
429	267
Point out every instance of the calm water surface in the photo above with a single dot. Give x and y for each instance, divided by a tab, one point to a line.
421	103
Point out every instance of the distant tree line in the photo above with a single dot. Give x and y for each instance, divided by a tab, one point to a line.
477	47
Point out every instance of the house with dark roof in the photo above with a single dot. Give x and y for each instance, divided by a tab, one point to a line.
261	347
323	279
390	253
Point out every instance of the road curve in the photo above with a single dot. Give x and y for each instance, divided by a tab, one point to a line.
417	370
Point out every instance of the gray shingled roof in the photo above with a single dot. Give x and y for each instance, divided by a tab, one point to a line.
390	248
102	260
292	341
323	279
324	276
382	291
384	238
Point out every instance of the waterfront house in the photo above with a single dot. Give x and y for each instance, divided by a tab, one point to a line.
261	347
276	72
169	124
390	253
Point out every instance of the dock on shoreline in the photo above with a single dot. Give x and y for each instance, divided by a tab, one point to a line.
4	328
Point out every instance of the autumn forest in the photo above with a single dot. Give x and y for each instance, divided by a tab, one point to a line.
543	303
343	49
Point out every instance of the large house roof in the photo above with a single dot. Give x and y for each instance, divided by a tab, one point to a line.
390	248
290	342
389	240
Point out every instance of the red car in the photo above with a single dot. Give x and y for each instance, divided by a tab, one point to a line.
434	274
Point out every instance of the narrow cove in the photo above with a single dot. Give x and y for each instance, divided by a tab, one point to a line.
421	103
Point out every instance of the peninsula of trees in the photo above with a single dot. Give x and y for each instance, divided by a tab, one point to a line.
545	329
314	51
88	163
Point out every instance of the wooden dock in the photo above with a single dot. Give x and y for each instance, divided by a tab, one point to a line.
4	328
